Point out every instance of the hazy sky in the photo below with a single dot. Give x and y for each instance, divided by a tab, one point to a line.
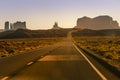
41	14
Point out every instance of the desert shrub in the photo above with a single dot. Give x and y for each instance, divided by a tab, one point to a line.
10	50
107	47
108	55
15	46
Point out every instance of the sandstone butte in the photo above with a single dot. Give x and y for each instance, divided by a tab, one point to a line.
100	22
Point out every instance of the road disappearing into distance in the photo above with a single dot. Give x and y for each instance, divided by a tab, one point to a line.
58	62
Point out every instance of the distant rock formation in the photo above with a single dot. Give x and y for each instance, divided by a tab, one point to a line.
18	25
55	26
6	27
14	26
100	22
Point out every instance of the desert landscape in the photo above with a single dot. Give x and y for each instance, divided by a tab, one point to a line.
59	40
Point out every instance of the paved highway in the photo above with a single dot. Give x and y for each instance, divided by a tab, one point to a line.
12	65
60	62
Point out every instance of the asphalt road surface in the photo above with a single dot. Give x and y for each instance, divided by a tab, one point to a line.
60	62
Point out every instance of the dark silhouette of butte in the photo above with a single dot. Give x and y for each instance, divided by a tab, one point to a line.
100	22
55	26
14	26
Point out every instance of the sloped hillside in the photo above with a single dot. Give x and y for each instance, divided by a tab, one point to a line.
33	33
105	32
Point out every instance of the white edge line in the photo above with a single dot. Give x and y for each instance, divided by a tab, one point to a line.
5	78
96	70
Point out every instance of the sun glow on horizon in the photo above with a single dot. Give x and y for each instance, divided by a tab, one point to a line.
41	14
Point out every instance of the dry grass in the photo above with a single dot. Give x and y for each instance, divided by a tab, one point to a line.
16	46
108	48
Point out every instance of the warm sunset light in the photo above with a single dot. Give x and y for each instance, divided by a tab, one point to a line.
59	39
41	14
